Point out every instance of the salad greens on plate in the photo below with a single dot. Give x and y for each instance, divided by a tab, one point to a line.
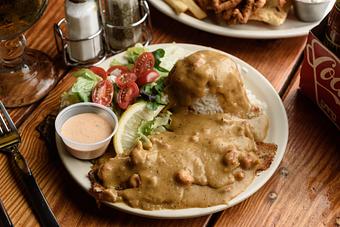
141	78
142	69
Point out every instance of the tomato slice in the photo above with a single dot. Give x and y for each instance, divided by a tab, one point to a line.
99	71
127	95
125	79
103	93
144	62
117	70
148	76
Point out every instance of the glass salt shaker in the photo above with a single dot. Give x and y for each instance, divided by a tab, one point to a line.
83	21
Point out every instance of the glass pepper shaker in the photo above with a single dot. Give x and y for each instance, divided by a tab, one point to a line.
119	19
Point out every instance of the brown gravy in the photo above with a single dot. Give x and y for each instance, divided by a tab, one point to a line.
191	166
208	72
204	160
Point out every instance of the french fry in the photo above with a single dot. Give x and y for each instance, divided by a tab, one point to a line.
195	9
177	5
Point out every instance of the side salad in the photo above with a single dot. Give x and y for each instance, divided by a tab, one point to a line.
127	87
122	84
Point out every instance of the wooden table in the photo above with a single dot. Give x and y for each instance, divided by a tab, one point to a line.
304	191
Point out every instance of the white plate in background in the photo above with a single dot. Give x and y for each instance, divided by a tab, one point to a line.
292	27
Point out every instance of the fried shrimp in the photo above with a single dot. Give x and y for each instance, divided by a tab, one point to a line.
220	6
233	11
242	15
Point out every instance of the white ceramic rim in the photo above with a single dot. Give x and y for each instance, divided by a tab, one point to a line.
292	27
278	134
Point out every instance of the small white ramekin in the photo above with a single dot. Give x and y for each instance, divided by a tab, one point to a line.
310	10
86	150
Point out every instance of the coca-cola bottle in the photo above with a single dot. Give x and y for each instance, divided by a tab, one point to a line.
332	39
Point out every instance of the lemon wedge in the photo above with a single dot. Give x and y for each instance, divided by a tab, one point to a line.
126	136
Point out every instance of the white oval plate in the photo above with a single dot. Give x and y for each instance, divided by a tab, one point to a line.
292	27
278	134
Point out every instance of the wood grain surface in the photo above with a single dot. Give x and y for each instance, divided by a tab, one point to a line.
305	190
307	194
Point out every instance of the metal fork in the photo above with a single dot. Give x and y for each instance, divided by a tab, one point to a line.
4	217
9	141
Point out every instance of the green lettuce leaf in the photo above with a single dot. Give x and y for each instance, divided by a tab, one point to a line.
154	94
68	98
81	89
159	123
132	53
86	74
158	54
115	62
